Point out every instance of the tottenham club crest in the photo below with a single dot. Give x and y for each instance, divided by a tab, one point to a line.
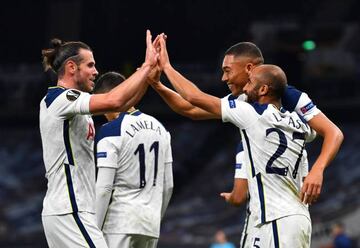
72	95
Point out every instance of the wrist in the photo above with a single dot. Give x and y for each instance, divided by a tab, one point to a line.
146	65
156	84
167	67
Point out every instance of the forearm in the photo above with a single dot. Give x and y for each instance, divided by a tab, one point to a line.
184	87
134	86
330	147
333	138
179	104
191	93
137	97
116	99
103	195
239	192
104	187
168	188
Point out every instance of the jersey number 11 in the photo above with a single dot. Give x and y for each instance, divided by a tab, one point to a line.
141	151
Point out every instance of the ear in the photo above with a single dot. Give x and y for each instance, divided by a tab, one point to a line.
70	66
249	67
263	90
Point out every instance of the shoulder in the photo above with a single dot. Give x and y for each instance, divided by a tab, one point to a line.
259	108
112	128
291	98
52	94
62	94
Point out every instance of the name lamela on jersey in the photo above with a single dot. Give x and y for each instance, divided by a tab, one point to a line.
142	125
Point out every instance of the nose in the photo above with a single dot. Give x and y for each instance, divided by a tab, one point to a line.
224	78
96	72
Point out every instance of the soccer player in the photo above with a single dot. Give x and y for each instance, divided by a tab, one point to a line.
238	61
67	134
240	194
135	180
206	103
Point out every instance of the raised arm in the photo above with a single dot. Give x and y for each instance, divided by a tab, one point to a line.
119	98
333	137
180	105
187	89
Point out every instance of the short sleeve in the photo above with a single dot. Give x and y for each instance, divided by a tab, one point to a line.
295	100
240	168
107	154
71	102
241	114
306	108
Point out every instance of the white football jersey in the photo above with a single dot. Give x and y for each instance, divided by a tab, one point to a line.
67	134
273	142
138	147
292	100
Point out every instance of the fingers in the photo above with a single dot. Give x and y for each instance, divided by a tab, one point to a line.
225	195
310	193
156	41
303	192
148	38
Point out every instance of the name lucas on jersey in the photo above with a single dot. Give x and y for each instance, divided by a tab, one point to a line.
297	123
142	125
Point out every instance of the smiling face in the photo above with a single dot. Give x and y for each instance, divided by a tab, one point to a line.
252	87
235	72
86	71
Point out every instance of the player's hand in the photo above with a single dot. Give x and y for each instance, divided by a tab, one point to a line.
163	54
311	188
151	55
226	196
154	75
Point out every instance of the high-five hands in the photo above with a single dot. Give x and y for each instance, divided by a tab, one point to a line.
151	55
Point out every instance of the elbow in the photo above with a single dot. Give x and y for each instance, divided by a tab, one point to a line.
339	136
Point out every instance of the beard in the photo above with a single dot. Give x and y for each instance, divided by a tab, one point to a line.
252	97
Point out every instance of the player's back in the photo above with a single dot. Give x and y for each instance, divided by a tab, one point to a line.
274	144
143	148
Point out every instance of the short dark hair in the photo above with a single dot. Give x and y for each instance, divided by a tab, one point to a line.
246	49
276	80
55	57
108	81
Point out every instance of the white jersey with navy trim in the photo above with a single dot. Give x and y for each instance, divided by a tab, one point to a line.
67	134
292	100
138	147
273	143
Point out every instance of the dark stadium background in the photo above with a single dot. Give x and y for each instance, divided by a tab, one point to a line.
198	34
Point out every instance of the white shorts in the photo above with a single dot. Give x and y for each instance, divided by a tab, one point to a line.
130	241
291	231
247	232
73	230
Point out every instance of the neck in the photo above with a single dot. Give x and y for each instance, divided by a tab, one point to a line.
67	82
268	100
112	115
131	109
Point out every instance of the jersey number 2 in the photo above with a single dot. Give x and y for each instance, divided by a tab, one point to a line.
141	151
